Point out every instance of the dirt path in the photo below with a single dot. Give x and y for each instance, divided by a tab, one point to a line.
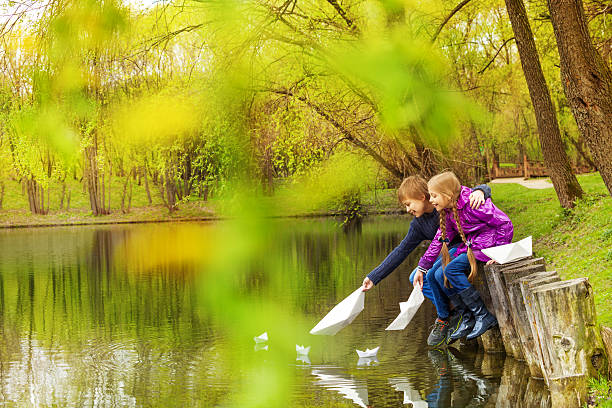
535	183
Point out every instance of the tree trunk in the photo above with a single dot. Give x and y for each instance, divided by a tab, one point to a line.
587	82
558	164
146	183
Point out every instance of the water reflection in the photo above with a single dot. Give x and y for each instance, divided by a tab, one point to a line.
82	327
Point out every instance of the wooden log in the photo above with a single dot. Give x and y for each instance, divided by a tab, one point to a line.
522	318
500	306
521	263
527	285
571	346
491	341
606	336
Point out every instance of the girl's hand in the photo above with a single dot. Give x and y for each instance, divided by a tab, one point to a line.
491	262
418	280
476	199
367	284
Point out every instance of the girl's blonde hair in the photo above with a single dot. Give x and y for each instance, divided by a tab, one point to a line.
448	185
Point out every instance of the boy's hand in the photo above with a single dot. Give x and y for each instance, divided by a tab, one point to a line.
476	199
418	280
491	262
367	284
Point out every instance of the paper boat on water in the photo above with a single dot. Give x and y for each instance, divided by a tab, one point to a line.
341	315
407	310
367	353
262	338
510	252
301	350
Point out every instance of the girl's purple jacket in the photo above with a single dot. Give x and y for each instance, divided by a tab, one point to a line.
485	227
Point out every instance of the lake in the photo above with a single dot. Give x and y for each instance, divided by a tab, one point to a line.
164	315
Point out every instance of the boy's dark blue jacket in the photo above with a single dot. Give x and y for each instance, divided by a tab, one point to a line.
421	229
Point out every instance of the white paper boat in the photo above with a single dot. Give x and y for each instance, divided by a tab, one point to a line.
262	338
261	347
367	353
303	358
301	350
411	396
355	390
341	315
407	310
367	361
510	252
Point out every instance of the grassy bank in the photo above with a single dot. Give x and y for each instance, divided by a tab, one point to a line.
575	243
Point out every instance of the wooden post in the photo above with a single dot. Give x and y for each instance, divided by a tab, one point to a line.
571	346
523	318
498	300
525	167
606	336
491	341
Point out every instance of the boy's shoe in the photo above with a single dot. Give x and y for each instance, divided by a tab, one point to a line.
454	322
438	334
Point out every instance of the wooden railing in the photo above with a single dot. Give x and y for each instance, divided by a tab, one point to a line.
530	168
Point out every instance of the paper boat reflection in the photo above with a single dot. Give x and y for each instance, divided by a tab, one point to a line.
411	396
367	361
332	379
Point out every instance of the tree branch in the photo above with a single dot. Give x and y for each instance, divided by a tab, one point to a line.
496	54
342	13
348	135
452	13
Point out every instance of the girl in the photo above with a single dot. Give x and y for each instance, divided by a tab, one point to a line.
479	228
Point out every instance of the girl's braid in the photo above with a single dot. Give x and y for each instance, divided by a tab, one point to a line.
444	251
470	253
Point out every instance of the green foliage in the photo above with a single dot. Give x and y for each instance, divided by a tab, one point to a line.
600	392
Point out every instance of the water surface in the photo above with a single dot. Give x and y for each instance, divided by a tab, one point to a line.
83	324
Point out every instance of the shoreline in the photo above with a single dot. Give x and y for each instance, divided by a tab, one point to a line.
87	221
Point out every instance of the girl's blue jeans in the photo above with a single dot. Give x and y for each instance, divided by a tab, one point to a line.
455	272
427	292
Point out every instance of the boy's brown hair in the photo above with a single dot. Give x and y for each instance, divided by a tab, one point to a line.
412	187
